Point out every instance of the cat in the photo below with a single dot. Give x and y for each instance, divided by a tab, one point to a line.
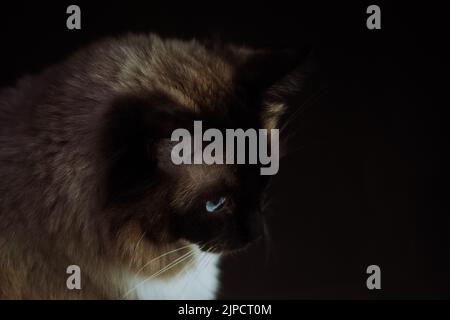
86	177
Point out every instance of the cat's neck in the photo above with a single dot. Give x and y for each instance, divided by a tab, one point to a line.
196	280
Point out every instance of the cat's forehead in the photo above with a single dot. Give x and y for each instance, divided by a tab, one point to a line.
187	72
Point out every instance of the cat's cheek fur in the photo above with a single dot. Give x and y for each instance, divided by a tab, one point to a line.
199	281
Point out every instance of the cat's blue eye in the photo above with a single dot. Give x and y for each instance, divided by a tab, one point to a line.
214	205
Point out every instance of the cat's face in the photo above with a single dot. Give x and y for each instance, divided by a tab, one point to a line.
216	206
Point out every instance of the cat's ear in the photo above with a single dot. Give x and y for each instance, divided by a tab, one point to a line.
277	81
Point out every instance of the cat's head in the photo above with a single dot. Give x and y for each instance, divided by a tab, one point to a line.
166	85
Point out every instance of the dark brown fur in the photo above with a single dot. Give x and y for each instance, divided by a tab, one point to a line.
84	177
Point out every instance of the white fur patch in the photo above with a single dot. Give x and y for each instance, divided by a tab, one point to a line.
198	282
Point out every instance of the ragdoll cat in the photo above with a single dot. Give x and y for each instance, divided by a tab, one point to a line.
86	178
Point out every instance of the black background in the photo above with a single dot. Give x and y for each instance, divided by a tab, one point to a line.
364	181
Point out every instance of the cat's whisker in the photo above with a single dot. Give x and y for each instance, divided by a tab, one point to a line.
190	278
203	263
171	265
207	264
137	245
266	204
161	256
268	243
192	256
164	269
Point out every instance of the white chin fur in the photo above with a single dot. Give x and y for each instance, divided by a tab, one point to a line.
198	282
